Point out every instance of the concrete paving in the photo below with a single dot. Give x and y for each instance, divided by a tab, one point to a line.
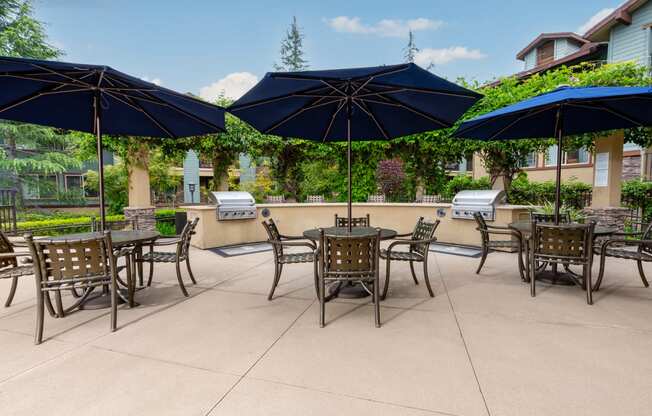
481	346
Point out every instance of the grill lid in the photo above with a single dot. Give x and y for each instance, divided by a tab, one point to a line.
224	198
479	197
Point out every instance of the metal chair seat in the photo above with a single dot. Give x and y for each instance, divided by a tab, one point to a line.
289	258
624	253
18	271
161	257
401	255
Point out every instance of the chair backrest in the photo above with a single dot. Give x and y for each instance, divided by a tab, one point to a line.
647	235
348	256
423	230
376	198
275	199
273	235
186	236
62	261
563	241
315	199
6	247
355	221
564	217
8	210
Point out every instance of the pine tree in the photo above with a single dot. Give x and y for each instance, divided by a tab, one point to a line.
411	49
292	50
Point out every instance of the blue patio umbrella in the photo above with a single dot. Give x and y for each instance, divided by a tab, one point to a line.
100	100
563	112
374	103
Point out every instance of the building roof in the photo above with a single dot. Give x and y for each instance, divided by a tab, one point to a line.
591	51
622	15
550	36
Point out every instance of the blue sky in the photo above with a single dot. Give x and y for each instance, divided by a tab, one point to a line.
203	46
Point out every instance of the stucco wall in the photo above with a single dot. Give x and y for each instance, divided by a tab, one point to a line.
293	219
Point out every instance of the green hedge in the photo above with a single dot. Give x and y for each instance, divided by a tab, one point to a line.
525	192
464	182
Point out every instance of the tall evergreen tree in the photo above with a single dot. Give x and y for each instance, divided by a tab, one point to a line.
410	51
21	34
292	50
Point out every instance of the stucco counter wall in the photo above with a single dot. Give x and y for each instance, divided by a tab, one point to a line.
293	219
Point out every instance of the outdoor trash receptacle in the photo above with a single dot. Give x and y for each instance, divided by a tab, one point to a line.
180	221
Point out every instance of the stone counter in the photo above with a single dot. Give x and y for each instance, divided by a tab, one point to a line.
294	218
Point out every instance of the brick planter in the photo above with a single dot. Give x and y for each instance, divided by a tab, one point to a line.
144	216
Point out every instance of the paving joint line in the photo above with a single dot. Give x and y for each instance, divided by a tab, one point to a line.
459	328
258	360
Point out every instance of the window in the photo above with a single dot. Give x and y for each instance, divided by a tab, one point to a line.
546	53
572	157
47	186
74	182
530	161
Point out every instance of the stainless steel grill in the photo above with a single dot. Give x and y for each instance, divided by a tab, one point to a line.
465	203
234	205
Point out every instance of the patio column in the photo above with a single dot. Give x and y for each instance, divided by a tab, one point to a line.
646	164
140	203
605	207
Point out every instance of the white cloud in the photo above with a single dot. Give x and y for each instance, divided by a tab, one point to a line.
155	81
232	86
385	27
428	56
594	20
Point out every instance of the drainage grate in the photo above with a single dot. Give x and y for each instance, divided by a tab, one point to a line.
241	250
455	250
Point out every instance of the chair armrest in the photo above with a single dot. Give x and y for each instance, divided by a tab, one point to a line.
506	231
166	241
410	242
293	244
14	255
292	237
402	235
612	241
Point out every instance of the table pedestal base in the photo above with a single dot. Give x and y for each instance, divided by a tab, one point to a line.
103	300
348	291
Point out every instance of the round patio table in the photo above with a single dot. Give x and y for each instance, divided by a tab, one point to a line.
349	291
554	277
119	239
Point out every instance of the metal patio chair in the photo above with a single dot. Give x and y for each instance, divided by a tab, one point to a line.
419	247
83	264
349	259
624	246
563	244
514	243
281	242
355	221
182	253
10	267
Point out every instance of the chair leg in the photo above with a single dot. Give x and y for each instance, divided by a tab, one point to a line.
192	277
181	285
533	277
588	284
521	266
386	288
131	281
377	299
12	291
114	304
277	276
426	278
322	302
151	273
40	312
598	282
414	276
316	272
485	251
642	273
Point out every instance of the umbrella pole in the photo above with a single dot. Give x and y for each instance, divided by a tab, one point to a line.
100	158
348	136
558	184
